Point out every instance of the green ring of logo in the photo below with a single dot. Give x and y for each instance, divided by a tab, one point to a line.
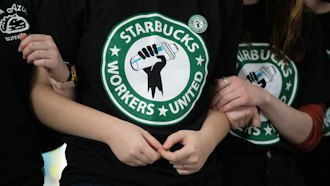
198	24
114	75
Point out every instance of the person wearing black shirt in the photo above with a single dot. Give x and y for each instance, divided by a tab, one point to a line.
23	138
315	164
145	70
281	70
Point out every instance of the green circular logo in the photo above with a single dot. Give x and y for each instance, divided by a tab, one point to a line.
154	69
198	24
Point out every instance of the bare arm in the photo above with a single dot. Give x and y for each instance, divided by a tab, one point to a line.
215	127
70	117
41	50
291	123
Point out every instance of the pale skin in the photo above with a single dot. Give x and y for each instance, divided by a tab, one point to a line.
41	50
141	148
73	118
240	116
197	145
291	123
318	6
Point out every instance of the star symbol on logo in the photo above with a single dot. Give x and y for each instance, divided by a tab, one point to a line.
162	111
115	50
200	60
268	130
288	85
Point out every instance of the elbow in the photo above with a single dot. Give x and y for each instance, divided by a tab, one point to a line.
312	141
316	112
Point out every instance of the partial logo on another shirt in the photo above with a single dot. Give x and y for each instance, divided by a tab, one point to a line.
326	125
13	22
259	65
154	68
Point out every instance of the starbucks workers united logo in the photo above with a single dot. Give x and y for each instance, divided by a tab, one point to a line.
260	66
154	68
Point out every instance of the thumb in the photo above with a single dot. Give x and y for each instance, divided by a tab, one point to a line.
153	142
173	139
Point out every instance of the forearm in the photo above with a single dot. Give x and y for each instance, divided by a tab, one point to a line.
291	123
215	127
66	115
68	92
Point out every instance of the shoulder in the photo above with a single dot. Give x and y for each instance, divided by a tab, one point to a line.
228	7
310	23
231	11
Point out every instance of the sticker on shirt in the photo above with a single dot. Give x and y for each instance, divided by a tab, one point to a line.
12	22
198	24
326	125
260	66
154	68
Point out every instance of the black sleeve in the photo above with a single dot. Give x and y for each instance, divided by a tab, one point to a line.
315	70
62	19
232	26
49	139
54	18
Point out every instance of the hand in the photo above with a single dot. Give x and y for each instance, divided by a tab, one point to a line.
134	146
237	93
192	156
41	50
242	116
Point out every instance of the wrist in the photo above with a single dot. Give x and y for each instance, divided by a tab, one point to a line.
60	73
266	101
215	127
70	78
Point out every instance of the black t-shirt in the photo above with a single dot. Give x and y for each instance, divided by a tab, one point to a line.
295	83
189	42
20	157
324	19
